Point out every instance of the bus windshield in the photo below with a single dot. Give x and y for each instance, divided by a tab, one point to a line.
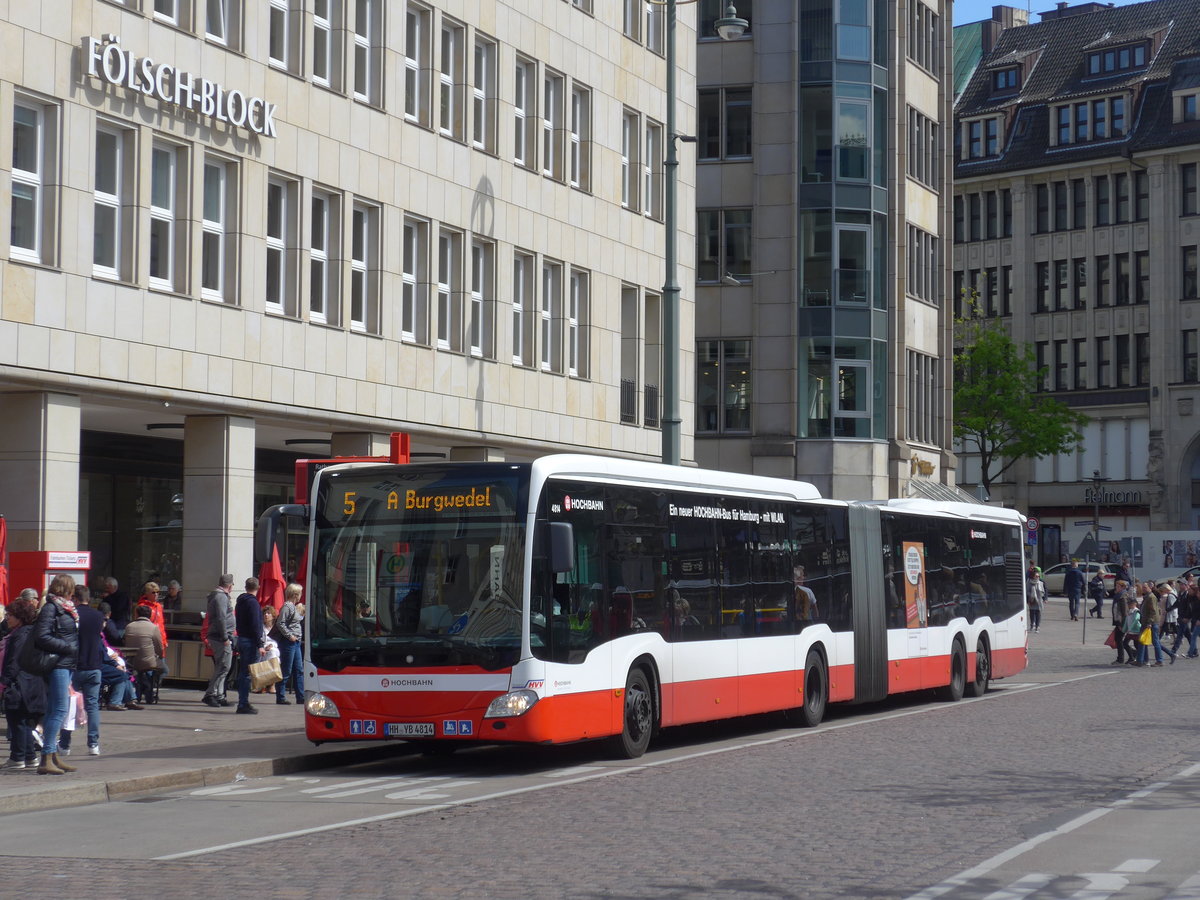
418	566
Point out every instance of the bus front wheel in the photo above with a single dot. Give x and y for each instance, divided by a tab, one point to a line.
637	717
816	690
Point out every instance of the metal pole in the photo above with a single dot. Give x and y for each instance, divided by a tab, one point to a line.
671	423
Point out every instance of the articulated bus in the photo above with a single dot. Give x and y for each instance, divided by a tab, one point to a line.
580	597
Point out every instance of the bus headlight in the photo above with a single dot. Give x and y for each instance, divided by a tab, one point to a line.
320	705
514	703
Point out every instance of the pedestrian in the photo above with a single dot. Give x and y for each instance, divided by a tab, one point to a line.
1131	628
1096	589
174	596
1189	616
288	632
150	600
1122	598
1035	594
1073	587
56	631
248	619
1124	571
24	694
118	601
1152	614
218	622
1170	601
143	641
87	677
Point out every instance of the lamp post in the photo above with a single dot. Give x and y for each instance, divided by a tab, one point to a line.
728	27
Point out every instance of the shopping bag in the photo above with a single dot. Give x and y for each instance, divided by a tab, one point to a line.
265	673
1146	638
1111	640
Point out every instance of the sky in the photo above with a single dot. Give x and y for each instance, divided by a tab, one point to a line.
973	10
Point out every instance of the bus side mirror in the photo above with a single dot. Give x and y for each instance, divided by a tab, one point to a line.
562	547
268	527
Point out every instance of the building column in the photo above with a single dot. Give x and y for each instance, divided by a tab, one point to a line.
218	503
359	443
39	470
476	454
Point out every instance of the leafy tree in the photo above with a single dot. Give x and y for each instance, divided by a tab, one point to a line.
998	404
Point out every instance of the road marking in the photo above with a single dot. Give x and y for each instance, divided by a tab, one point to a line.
1137	865
346	784
988	865
1015	689
1188	890
238	788
1022	887
432	792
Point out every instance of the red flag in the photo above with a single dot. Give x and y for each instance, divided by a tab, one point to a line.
3	566
270	583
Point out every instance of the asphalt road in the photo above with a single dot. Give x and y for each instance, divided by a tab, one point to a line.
1075	780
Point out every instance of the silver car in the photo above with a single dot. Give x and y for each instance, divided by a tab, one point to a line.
1053	577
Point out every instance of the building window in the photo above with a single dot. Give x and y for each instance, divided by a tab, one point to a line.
1103	362
1042	207
1061	220
368	51
449	291
853	140
1187	183
483	299
1004	80
167	175
1080	363
1117	59
1190	272
1079	202
631	19
630	146
1103	201
723	387
581	137
523	113
1121	192
218	227
1079	268
923	159
416	64
652	162
34	162
1042	353
483	95
1075	123
1141	276
924	33
1062	366
1141	359
1042	279
283	49
282	198
414	302
167	11
724	123
577	325
711	10
450	78
960	219
522	306
924	269
1006	290
655	27
111	215
1061	284
1141	193
1186	108
364	268
1122	361
220	20
322	283
1191	355
981	137
924	391
325	50
723	244
550	317
1103	280
552	125
974	218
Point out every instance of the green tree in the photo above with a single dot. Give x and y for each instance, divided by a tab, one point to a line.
998	404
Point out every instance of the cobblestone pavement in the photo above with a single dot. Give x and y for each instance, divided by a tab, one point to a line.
879	809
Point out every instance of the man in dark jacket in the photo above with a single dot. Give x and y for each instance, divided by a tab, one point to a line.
248	617
1073	588
87	674
118	602
220	624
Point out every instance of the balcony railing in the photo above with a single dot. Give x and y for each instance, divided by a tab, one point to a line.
628	401
652	418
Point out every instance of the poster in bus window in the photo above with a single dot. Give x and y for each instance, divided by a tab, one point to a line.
915	601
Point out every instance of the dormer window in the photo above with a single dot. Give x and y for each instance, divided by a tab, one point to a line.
1187	107
1094	120
1117	59
1006	79
981	138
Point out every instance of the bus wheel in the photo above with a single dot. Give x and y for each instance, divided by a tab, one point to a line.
978	686
953	692
816	691
638	718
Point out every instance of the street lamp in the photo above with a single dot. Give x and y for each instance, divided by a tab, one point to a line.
728	27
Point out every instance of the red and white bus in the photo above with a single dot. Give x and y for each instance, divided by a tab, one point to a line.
579	597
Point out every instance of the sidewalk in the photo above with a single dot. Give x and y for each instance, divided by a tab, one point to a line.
179	742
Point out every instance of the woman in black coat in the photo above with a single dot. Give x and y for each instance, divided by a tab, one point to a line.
24	694
57	631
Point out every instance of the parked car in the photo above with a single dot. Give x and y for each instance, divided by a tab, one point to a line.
1194	570
1053	577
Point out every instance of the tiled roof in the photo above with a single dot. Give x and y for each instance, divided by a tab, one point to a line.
1060	74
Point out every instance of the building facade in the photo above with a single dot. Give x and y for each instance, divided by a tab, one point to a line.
241	233
823	198
1077	225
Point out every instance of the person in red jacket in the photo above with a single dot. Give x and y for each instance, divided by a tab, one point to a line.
149	599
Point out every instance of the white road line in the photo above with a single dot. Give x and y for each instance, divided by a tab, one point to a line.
1010	691
988	865
421	784
1101	886
228	790
346	784
1188	890
1022	887
433	792
1141	866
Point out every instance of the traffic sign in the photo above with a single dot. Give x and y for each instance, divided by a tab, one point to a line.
1032	524
1098	527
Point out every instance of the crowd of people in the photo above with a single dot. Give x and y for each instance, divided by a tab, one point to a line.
1147	616
75	651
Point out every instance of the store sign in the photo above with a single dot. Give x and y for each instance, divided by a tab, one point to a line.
104	59
1110	497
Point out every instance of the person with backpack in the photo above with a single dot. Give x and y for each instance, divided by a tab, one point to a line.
24	698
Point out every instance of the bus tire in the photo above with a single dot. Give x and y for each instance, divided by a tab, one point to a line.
953	692
637	717
978	685
816	690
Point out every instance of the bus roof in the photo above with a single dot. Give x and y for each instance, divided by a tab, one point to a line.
948	508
